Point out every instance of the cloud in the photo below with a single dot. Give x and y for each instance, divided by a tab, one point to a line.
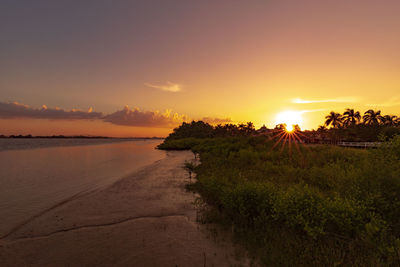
18	110
136	117
392	102
331	100
216	120
313	110
125	117
169	87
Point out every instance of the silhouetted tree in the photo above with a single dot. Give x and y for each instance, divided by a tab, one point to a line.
280	126
351	117
296	128
334	119
231	129
322	129
372	117
389	120
220	130
263	128
198	129
250	129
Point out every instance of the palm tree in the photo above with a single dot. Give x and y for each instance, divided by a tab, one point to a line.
390	120
334	119
351	117
372	117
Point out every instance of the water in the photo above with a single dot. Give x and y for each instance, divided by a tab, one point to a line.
29	143
36	174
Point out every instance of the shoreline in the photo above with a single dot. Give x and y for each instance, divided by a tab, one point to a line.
146	219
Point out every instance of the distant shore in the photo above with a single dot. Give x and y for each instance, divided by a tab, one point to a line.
76	136
21	143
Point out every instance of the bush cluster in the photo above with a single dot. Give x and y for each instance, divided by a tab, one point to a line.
342	200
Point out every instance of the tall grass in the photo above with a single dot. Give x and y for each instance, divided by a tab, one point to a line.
320	205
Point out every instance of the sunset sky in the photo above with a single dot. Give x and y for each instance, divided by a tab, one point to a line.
139	68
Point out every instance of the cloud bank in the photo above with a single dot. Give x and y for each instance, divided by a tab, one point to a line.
168	87
18	110
126	117
136	117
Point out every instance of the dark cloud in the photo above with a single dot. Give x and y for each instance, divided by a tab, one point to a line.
136	117
18	110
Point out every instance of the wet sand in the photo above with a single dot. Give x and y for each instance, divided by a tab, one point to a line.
146	219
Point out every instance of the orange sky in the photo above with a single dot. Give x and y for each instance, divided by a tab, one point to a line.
243	60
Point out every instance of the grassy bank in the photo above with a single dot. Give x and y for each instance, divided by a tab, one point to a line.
318	205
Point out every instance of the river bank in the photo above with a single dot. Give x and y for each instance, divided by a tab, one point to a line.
145	219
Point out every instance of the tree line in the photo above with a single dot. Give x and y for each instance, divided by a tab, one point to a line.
351	117
349	126
200	129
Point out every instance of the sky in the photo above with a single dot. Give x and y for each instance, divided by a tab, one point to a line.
140	68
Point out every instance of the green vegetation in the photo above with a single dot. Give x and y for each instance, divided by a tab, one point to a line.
316	205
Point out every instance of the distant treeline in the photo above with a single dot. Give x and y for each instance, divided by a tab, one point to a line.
76	136
200	129
349	126
50	136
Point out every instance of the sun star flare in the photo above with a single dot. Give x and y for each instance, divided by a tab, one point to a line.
290	118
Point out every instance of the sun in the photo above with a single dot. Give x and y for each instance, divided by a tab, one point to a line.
290	118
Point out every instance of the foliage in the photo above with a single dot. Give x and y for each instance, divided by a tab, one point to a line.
334	119
331	205
343	127
351	117
349	127
200	129
372	117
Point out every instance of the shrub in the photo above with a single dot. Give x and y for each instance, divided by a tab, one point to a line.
326	197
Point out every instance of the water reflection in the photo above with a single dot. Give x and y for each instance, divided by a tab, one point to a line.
34	180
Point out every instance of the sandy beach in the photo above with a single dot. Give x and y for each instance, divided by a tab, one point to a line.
145	219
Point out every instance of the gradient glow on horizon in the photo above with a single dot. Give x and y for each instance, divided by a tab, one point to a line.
243	60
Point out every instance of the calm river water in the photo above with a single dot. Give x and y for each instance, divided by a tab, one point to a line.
36	174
